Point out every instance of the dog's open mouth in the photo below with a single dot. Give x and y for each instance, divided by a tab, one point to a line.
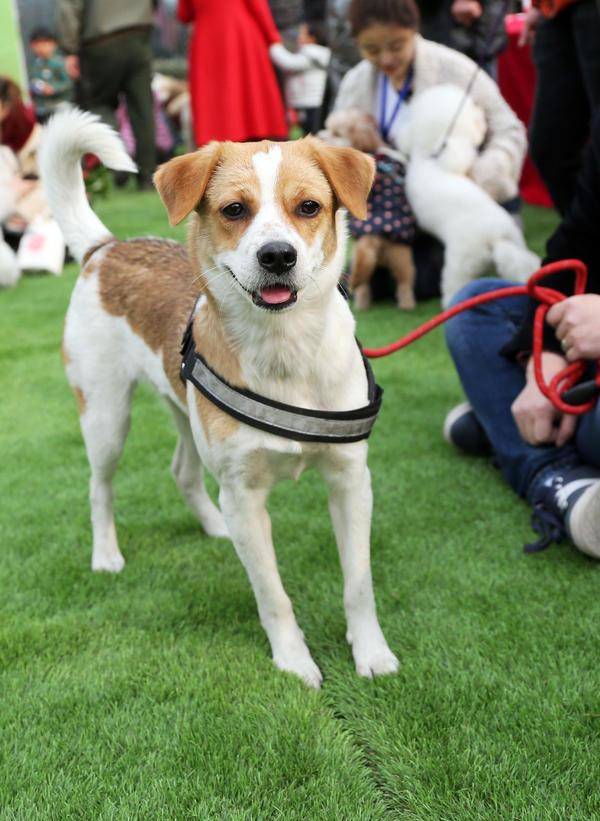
270	297
275	297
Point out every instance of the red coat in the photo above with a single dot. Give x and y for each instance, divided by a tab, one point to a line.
234	90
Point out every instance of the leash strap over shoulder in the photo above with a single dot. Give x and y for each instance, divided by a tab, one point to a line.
288	421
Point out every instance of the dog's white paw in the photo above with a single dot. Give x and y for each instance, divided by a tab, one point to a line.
300	663
374	658
108	562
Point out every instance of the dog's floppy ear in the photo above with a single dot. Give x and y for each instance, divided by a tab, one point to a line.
350	174
182	181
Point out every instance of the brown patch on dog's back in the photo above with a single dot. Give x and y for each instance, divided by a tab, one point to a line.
151	283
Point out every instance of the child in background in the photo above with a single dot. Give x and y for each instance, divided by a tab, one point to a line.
305	91
50	83
306	75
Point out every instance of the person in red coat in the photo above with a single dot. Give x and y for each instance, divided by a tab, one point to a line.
234	90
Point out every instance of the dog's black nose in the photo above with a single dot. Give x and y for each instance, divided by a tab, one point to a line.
277	257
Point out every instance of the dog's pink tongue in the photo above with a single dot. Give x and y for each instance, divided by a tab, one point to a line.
275	294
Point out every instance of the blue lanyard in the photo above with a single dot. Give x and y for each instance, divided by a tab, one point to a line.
384	127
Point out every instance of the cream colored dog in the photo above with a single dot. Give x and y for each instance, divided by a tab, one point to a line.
271	321
442	138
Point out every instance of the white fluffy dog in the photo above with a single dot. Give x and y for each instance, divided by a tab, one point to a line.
476	231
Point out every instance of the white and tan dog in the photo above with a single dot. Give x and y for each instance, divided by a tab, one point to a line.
267	242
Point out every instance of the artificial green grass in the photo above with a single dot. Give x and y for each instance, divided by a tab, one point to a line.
151	694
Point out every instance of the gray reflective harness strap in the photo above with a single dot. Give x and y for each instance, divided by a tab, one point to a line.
288	421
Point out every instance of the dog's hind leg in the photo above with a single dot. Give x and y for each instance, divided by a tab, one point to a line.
363	265
188	471
399	259
105	422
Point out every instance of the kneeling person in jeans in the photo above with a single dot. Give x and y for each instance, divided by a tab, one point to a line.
551	459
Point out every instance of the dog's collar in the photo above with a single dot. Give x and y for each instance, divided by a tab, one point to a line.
288	421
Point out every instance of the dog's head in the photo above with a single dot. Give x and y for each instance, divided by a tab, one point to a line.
352	127
267	227
442	117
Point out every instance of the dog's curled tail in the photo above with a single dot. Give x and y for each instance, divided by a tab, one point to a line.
514	261
68	136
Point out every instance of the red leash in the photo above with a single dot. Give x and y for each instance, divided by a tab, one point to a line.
563	391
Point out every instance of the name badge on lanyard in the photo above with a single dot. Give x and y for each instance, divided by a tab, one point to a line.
385	126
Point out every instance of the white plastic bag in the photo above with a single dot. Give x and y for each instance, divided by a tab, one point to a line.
42	247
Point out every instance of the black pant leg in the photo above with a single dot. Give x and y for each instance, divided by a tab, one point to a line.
140	105
102	71
560	122
586	34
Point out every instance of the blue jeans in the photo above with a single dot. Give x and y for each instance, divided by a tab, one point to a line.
491	383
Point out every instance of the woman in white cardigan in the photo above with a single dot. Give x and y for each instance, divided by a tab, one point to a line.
398	63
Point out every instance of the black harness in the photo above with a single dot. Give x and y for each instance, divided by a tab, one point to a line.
288	421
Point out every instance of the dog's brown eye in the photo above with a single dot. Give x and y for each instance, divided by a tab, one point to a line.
234	210
309	208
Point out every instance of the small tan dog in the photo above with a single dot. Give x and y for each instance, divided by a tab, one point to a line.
359	130
267	245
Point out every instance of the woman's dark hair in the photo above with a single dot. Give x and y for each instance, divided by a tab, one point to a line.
18	120
364	13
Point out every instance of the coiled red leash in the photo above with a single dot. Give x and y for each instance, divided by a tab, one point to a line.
563	390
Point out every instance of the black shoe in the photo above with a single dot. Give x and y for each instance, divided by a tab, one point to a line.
463	430
568	505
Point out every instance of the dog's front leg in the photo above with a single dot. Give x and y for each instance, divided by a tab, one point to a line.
249	526
350	505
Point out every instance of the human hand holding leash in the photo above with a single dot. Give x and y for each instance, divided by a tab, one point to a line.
576	321
538	421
